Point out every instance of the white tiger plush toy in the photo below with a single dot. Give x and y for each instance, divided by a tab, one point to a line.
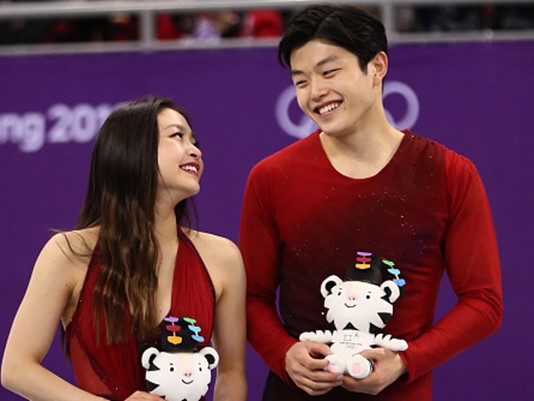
359	307
179	371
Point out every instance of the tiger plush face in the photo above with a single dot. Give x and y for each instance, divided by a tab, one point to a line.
358	305
181	376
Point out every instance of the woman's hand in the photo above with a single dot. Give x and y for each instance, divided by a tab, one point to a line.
143	396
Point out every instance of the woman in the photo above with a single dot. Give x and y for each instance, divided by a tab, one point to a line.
127	266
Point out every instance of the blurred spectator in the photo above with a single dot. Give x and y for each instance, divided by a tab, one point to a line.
115	28
252	23
263	24
452	18
174	26
216	25
222	24
513	18
25	30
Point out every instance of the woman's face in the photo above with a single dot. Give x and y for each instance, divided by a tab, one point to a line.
179	160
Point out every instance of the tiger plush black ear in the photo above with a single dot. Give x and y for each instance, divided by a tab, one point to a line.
329	283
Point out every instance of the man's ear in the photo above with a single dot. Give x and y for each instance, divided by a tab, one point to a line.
378	67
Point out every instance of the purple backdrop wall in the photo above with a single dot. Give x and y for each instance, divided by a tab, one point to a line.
475	98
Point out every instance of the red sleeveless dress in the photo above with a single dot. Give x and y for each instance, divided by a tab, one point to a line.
114	371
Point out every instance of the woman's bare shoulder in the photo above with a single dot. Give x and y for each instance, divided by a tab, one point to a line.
222	259
71	246
215	246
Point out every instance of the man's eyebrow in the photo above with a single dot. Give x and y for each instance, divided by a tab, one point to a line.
319	64
325	61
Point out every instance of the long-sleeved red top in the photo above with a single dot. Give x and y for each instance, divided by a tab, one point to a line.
426	210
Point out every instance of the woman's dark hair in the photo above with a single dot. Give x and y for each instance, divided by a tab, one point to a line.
121	199
349	27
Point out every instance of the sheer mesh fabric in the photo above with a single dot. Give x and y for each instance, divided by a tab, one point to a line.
114	371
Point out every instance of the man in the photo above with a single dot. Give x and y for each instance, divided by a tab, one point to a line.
358	184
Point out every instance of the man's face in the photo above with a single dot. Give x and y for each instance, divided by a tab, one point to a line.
332	89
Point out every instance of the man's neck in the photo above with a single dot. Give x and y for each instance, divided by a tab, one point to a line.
362	154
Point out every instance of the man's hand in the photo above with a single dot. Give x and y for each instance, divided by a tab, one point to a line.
388	367
306	366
